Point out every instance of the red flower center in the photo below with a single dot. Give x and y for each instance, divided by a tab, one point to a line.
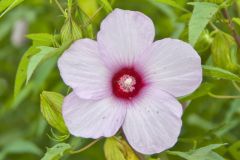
126	83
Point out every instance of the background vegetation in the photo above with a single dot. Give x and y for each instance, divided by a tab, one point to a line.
33	33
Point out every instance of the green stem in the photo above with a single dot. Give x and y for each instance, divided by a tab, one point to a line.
60	7
231	26
223	96
85	148
236	86
213	26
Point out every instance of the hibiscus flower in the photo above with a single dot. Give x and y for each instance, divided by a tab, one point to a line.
124	79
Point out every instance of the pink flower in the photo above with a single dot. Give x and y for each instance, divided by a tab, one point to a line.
124	79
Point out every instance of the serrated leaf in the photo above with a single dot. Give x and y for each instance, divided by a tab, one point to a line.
118	149
37	58
201	91
51	108
173	4
204	153
106	5
7	5
202	14
219	73
56	152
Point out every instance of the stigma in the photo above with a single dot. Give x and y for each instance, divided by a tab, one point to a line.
127	83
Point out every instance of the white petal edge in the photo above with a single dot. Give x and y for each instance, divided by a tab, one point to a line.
92	119
82	69
123	36
153	122
173	66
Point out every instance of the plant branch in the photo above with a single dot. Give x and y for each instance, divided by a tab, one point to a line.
86	147
140	156
231	26
223	96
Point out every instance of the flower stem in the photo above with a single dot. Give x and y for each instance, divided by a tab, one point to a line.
223	96
231	26
85	148
140	156
214	26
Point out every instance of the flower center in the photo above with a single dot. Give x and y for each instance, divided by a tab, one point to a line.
126	83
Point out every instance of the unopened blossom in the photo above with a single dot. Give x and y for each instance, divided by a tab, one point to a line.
125	79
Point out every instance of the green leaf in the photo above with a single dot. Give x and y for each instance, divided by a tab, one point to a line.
236	20
221	49
173	4
118	149
51	108
204	153
45	39
22	69
201	91
219	73
106	5
56	152
19	147
37	58
21	75
202	14
234	150
7	5
40	39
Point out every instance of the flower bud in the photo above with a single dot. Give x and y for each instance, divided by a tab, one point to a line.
70	31
222	47
51	108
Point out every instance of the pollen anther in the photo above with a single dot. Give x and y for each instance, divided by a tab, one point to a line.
126	83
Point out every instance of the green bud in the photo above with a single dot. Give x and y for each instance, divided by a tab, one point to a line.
223	48
115	148
57	151
70	31
51	108
204	42
76	31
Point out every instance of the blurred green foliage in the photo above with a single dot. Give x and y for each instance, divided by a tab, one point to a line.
34	33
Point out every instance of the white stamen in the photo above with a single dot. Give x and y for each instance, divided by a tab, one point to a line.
127	83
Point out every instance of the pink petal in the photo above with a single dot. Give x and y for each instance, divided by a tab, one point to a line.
124	35
92	119
82	69
173	66
153	122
